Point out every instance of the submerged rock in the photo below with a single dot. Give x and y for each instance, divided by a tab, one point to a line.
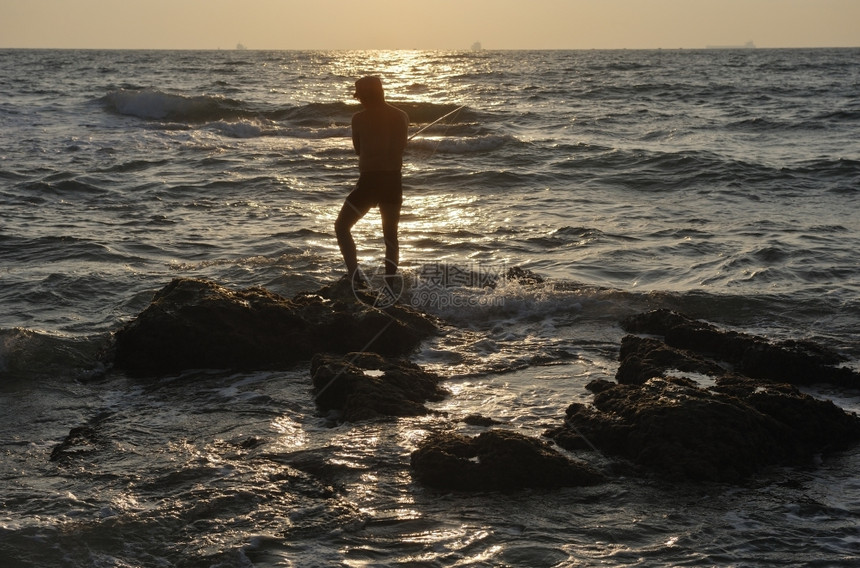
82	440
524	276
365	386
728	431
478	420
496	460
194	324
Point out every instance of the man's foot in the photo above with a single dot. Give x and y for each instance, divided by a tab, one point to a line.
359	282
392	288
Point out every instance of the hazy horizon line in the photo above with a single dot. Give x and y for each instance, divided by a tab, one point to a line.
702	48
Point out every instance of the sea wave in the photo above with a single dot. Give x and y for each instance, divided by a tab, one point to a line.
839	115
240	129
645	170
27	353
839	167
158	105
240	119
649	170
155	104
314	114
461	145
55	248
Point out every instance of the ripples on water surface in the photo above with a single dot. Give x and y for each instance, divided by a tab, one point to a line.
720	183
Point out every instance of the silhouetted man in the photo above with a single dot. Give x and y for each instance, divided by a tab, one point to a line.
379	138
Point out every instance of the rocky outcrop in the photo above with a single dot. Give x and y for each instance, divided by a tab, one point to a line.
645	357
744	421
673	427
192	324
365	386
795	362
496	460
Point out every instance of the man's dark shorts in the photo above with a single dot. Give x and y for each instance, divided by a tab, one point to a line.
374	188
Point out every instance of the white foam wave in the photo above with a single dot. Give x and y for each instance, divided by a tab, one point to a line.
240	129
512	301
461	145
333	131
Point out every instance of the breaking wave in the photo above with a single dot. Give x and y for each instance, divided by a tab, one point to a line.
153	104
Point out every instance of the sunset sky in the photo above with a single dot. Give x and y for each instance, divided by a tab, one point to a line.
427	24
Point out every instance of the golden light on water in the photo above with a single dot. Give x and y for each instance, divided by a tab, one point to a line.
434	213
290	433
426	219
413	76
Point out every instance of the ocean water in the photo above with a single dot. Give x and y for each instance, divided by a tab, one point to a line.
721	183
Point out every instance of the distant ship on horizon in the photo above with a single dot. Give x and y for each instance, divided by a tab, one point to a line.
240	47
747	45
477	46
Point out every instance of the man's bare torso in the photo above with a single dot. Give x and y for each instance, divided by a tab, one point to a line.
379	138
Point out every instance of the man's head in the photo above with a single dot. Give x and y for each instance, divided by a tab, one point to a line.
368	90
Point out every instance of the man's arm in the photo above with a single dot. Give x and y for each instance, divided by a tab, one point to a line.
356	120
403	132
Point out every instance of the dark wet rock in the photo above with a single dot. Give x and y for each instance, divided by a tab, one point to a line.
319	464
676	429
644	357
815	426
568	438
496	460
365	386
81	440
478	420
523	276
194	324
745	421
725	433
795	362
250	443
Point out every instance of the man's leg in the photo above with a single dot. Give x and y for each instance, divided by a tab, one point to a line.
390	213
349	215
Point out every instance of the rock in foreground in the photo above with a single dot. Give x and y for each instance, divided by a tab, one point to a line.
795	362
194	324
364	386
745	422
496	460
672	427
